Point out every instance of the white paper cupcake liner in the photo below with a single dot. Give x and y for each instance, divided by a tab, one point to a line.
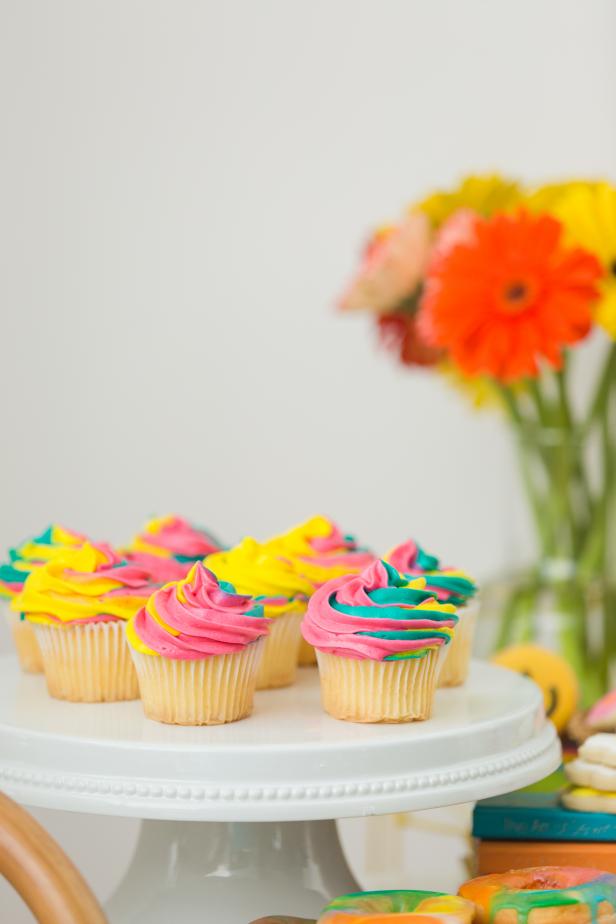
204	691
378	691
307	654
458	653
88	662
278	666
26	645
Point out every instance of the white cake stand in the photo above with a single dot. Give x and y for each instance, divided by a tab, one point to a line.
238	818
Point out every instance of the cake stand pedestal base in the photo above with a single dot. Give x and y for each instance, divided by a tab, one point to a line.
189	872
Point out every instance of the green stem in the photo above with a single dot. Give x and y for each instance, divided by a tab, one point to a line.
553	445
594	548
519	424
602	393
576	448
544	418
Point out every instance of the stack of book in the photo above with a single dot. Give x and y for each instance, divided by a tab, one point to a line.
530	828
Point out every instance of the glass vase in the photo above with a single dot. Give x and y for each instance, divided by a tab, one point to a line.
565	599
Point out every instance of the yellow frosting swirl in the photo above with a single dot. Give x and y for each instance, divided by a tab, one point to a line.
320	551
91	583
254	569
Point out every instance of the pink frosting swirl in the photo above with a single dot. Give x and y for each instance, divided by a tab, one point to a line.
160	570
195	618
404	556
173	535
335	541
449	585
377	615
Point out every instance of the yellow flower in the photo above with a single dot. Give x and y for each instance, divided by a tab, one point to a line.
546	198
483	194
479	390
588	212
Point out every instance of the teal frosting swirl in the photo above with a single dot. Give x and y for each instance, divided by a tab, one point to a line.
31	553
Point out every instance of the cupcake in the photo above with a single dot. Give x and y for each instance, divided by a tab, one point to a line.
320	551
78	604
173	537
379	639
23	559
196	646
254	569
449	586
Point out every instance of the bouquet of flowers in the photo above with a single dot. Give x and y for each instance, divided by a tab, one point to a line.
494	285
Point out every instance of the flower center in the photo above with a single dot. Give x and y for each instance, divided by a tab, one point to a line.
515	292
516	295
613	267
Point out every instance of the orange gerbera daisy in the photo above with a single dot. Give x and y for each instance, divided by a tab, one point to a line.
509	295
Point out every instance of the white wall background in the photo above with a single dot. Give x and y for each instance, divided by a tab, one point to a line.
183	189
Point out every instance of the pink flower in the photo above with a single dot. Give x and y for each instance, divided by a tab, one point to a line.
459	229
392	267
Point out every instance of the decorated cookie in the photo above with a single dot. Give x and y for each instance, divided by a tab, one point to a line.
551	673
595	776
406	907
585	799
602	716
599	749
564	894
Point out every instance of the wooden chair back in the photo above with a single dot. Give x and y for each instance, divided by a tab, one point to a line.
39	870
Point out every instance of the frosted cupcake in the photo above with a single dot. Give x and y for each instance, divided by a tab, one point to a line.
23	559
379	639
78	604
196	646
173	537
449	585
320	551
254	569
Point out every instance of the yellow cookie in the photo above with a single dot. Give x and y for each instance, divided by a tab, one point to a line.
551	673
584	799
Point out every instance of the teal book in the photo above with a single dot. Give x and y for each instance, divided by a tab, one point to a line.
535	814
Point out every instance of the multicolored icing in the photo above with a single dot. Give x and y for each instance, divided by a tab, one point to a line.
32	553
160	569
522	890
449	584
173	536
88	584
408	907
602	716
379	614
320	551
196	618
254	569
